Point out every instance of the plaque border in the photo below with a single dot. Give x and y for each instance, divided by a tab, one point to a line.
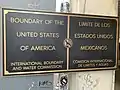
7	10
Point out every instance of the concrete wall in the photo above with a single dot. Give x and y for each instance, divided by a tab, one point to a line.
29	4
117	80
103	80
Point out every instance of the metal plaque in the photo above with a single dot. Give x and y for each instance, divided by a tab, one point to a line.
42	42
